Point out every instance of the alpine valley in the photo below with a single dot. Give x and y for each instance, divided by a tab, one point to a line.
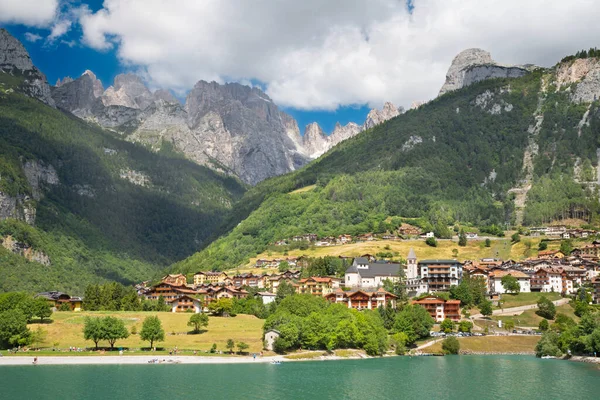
123	183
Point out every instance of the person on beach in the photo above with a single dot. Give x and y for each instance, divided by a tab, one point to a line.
35	360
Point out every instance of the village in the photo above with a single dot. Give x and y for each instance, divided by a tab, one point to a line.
362	285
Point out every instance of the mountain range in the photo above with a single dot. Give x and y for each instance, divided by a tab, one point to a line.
231	128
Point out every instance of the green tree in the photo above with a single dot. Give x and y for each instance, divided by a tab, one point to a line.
113	329
488	242
447	325
41	309
92	330
543	326
284	266
284	290
198	321
451	345
431	242
566	247
515	238
220	307
486	308
242	347
414	321
465	326
13	329
399	341
152	330
462	238
546	309
548	345
509	325
543	245
510	284
230	345
64	307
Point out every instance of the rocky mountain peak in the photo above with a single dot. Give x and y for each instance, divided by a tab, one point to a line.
129	91
66	79
13	53
474	65
165	95
376	117
315	142
14	58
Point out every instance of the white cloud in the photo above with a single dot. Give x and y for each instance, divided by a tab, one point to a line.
32	37
28	12
314	54
59	29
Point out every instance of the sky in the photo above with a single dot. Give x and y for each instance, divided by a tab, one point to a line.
324	61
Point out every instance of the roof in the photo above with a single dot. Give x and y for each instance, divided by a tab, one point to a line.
54	295
434	300
361	260
497	273
411	254
439	262
376	269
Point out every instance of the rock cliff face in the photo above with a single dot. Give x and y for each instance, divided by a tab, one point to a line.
585	73
15	60
474	65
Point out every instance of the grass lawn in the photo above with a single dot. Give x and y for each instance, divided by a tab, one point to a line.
474	250
492	344
530	319
523	299
67	330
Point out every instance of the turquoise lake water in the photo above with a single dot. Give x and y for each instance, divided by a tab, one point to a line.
453	377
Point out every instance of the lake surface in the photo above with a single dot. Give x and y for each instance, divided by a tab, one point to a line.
453	377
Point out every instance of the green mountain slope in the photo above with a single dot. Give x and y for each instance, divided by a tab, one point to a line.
503	151
104	208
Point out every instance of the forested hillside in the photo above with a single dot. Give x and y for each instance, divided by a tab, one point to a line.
502	151
92	207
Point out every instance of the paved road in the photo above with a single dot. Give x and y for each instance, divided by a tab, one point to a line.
520	309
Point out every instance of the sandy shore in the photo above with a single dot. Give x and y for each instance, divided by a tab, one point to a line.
100	360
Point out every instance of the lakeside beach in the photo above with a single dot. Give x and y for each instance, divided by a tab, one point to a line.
110	360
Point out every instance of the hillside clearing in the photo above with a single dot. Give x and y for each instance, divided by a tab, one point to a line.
475	250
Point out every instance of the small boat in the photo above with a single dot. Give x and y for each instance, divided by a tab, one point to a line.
275	362
548	357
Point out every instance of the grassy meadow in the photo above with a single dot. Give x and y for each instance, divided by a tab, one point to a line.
67	330
530	319
474	250
523	299
492	344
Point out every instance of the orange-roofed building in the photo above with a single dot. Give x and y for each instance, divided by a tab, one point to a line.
175	280
317	286
440	309
363	299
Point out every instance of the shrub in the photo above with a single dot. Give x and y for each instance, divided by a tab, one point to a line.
431	242
451	345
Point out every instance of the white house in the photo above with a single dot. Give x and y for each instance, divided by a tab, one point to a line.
270	337
267	297
185	303
495	280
